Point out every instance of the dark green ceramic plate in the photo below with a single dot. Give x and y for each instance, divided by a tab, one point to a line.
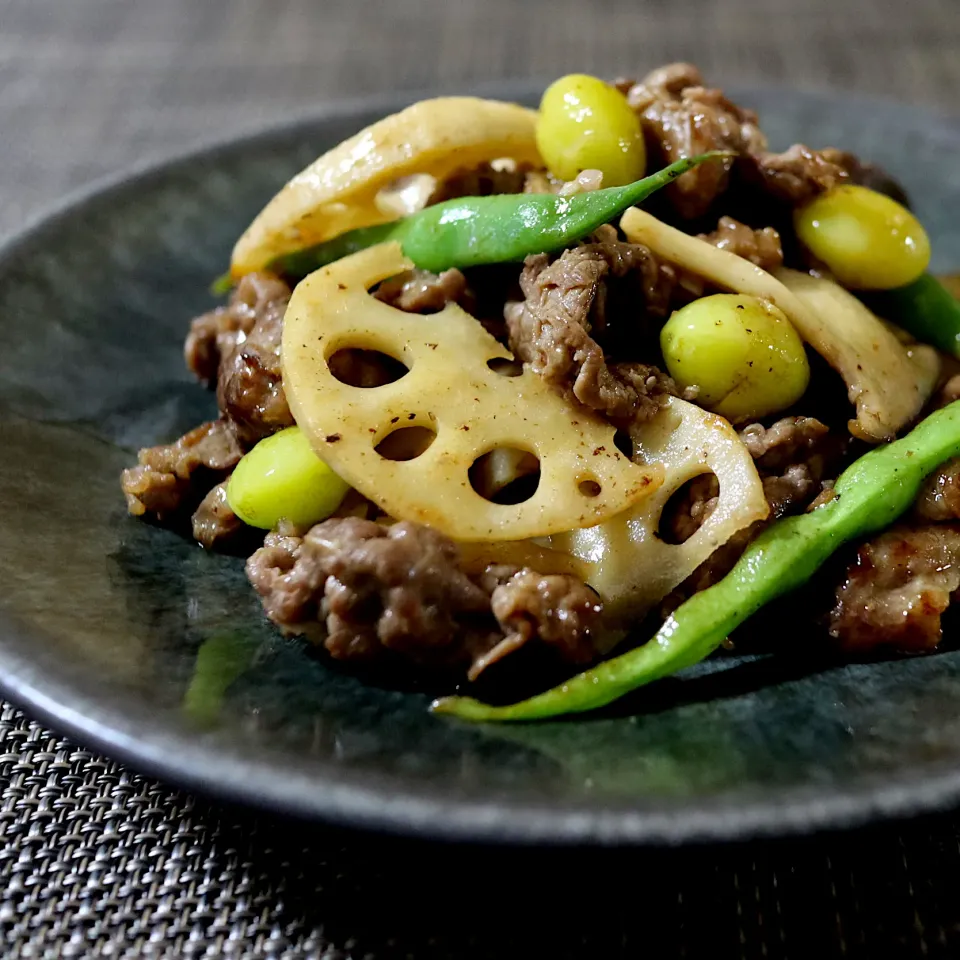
135	640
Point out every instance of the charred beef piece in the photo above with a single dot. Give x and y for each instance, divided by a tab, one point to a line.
896	589
171	479
483	181
397	587
897	586
238	347
867	174
567	301
761	247
215	334
939	498
215	525
249	381
793	456
550	328
796	175
682	118
420	291
370	591
559	610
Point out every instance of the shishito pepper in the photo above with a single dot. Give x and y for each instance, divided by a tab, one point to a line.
926	309
470	231
870	494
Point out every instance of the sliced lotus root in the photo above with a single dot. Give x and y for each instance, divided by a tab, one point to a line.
625	559
451	394
339	190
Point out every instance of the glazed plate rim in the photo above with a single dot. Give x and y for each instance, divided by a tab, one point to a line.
371	801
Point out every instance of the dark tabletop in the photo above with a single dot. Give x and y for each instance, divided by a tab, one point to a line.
96	860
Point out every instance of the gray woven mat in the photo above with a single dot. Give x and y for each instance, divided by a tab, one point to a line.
98	861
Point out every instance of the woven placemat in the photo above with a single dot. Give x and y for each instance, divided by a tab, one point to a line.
96	860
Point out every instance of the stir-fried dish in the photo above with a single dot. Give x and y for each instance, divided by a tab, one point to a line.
577	389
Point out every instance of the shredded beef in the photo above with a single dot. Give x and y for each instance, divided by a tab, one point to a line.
568	300
549	330
238	347
798	174
939	498
896	589
483	181
419	291
659	286
637	278
370	590
172	478
396	587
682	118
689	508
867	174
215	334
557	609
761	247
794	488
780	443
793	456
249	383
214	523
211	335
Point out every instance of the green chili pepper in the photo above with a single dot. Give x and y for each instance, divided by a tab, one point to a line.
470	231
926	309
871	493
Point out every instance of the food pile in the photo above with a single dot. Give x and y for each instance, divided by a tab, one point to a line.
503	385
